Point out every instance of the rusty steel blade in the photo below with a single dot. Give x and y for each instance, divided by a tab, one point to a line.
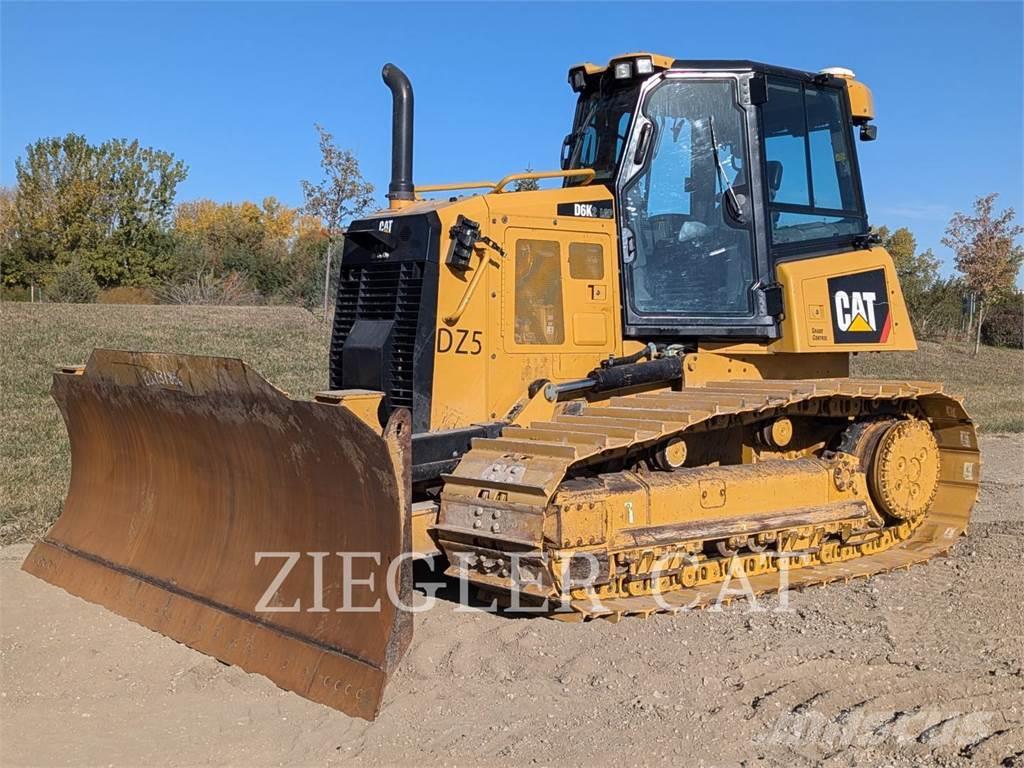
184	468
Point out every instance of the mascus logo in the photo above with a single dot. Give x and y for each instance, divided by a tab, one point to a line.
860	308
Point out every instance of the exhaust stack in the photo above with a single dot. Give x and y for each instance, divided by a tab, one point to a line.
400	189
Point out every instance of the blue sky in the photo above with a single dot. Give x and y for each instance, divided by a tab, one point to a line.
234	88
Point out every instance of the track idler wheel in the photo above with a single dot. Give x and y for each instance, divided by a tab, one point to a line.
904	474
900	459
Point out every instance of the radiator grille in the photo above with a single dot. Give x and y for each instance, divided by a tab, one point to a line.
381	291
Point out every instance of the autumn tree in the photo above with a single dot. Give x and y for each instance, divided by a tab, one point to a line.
985	252
341	194
7	235
918	272
108	206
253	241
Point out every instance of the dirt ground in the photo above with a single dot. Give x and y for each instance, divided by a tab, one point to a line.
911	668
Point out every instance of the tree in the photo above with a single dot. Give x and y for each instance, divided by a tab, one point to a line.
11	272
106	205
340	195
918	272
941	312
1004	326
73	283
254	241
526	185
983	244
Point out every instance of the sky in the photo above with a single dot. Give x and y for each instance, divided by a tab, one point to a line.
234	89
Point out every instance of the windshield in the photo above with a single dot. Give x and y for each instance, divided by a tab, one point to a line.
599	132
685	253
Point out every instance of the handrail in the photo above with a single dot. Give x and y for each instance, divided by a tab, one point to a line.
485	259
526	175
456	185
529	175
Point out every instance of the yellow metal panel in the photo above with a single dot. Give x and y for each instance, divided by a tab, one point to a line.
589	329
462	349
862	105
480	371
813	311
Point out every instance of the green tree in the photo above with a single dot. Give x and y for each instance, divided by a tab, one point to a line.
918	272
73	283
106	205
941	312
986	254
140	183
306	269
1004	326
526	185
11	271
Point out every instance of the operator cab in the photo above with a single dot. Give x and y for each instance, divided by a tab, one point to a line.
719	169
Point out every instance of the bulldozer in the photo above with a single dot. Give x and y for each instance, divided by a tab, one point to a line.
608	397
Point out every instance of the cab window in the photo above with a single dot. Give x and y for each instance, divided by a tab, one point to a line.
538	292
812	193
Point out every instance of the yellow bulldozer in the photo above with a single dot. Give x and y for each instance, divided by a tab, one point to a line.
605	398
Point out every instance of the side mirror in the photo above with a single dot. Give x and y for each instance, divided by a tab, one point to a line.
566	147
868	132
735	205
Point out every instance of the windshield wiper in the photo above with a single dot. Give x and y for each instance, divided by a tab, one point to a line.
577	135
720	170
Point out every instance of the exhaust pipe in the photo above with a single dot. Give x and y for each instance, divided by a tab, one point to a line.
400	187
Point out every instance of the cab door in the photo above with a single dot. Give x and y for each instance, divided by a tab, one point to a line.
558	315
690	265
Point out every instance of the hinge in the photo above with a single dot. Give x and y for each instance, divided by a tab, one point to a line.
773	300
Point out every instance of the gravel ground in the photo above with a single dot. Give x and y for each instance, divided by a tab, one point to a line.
909	668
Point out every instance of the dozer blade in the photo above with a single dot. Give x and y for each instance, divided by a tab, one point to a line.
207	505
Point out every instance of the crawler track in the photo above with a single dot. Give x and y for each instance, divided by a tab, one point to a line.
524	469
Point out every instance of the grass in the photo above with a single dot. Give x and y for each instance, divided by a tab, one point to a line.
289	347
286	344
991	383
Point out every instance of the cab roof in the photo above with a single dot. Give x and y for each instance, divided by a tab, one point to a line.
660	61
861	101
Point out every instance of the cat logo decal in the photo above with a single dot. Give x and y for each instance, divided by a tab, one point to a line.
860	308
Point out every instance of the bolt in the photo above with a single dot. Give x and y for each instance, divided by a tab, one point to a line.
496	514
476	523
495	528
477	511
